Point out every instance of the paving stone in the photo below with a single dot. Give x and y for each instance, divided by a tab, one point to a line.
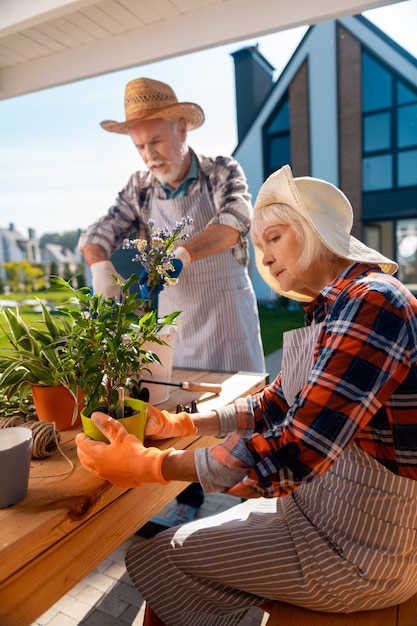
116	570
133	615
112	605
100	581
128	593
90	595
98	618
104	565
72	607
63	620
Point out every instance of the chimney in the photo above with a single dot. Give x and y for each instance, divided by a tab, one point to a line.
31	233
253	82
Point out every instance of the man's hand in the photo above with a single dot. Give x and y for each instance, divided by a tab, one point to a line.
163	425
103	282
146	293
125	461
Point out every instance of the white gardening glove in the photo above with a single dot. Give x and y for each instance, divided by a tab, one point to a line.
103	282
184	255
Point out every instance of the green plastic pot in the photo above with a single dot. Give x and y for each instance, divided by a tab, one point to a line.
134	424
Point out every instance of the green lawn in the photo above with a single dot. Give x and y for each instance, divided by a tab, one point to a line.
28	314
274	322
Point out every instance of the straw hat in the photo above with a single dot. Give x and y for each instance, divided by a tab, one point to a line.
329	213
147	99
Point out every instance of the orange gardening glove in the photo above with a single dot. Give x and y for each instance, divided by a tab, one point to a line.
124	461
162	425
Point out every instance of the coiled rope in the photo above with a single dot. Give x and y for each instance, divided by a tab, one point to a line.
46	438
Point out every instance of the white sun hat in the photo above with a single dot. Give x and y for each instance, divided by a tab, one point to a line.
330	215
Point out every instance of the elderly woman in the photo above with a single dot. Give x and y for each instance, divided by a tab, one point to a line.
325	456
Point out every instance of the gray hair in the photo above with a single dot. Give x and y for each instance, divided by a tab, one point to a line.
313	248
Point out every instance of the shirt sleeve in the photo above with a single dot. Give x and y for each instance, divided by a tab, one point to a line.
362	355
231	197
128	215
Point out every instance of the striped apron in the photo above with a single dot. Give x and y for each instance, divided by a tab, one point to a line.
219	325
345	542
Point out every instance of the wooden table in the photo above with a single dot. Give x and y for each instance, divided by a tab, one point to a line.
70	521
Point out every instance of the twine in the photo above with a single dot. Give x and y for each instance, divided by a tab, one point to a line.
46	438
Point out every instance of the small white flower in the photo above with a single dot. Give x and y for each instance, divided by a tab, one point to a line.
171	281
157	242
141	245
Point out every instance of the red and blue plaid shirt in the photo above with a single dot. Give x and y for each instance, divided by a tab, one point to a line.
362	388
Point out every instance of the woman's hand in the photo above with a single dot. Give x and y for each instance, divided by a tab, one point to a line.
125	461
163	425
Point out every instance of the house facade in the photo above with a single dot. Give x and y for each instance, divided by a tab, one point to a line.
14	247
62	258
344	109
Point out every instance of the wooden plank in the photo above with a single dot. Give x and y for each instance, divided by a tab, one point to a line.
407	612
288	615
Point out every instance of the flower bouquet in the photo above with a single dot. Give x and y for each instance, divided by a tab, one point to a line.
157	257
160	268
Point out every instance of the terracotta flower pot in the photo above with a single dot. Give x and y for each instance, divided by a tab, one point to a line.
135	424
56	404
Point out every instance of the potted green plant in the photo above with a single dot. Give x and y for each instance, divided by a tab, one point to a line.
106	344
35	361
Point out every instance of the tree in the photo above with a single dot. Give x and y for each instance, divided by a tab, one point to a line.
33	277
21	275
12	269
68	239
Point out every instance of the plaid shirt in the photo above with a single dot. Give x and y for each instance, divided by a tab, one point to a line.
132	209
362	389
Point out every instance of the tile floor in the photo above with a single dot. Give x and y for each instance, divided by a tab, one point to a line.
106	597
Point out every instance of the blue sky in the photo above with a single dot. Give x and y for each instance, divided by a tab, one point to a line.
60	171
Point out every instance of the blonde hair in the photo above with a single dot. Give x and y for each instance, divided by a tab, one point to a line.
313	248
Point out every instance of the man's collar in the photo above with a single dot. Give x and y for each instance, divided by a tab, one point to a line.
192	174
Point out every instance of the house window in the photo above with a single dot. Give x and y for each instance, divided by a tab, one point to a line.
31	253
407	126
377	171
407	169
407	252
389	128
276	142
6	251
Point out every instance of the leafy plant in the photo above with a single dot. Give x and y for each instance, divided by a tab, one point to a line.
19	405
36	355
106	341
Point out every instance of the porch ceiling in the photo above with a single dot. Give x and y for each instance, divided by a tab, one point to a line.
53	42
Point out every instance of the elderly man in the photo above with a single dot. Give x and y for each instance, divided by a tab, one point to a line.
219	325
